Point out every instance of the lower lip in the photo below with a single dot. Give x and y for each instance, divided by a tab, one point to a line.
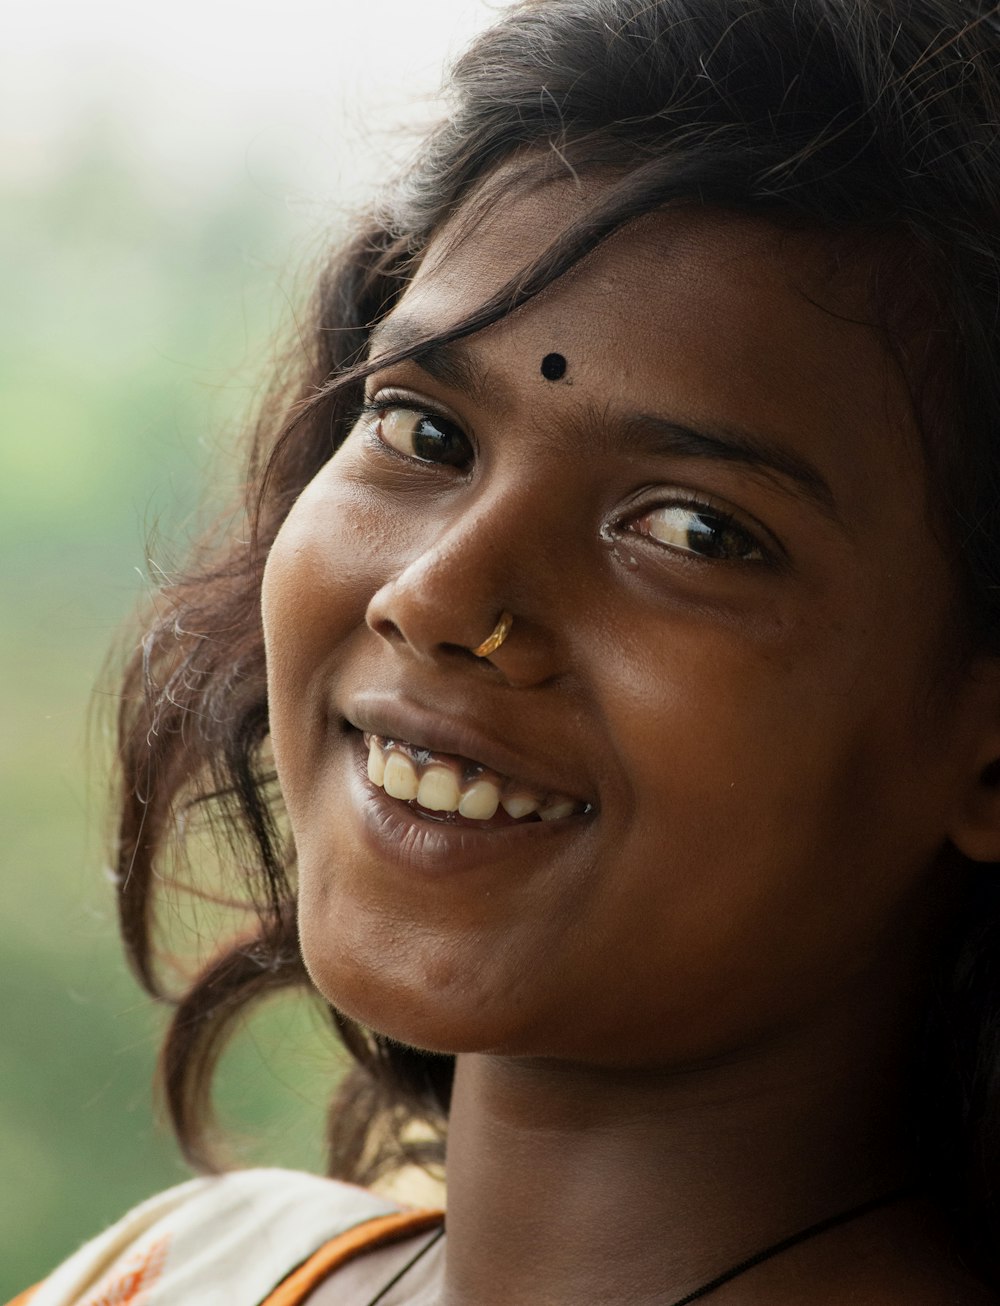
396	831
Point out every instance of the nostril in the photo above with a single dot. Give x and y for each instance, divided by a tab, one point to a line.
388	630
462	651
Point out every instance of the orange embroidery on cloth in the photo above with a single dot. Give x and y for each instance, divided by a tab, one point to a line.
131	1287
23	1298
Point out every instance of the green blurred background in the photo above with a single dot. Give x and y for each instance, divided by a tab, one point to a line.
160	195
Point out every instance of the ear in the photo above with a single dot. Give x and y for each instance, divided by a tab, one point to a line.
976	828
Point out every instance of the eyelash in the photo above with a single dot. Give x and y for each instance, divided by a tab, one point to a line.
386	403
723	522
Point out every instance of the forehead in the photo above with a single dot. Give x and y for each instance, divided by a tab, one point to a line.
707	316
659	279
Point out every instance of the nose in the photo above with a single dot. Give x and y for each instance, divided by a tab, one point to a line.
449	597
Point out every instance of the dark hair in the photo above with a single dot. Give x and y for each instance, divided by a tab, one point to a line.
865	119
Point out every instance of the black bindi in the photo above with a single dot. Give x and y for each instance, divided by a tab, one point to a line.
553	367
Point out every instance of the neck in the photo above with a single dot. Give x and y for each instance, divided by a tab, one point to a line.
578	1184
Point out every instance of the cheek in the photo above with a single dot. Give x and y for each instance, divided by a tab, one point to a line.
319	577
771	833
780	727
321	571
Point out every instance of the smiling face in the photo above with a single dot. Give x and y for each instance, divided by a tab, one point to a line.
711	534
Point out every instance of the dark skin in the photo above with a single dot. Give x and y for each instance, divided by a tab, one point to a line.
683	1017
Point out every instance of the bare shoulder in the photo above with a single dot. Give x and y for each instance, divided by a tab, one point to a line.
927	1281
968	1292
954	1293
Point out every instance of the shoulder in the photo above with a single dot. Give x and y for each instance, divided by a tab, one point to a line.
216	1241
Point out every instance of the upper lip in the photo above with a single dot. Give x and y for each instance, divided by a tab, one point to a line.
394	716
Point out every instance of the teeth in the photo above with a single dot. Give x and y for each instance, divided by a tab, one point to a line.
438	790
438	786
556	811
480	800
517	805
376	763
400	777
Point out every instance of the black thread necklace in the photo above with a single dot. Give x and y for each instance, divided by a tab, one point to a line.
408	1266
821	1226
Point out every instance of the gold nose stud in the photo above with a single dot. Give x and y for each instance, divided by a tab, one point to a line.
500	633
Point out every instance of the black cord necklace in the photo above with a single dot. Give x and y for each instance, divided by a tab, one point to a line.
821	1226
407	1267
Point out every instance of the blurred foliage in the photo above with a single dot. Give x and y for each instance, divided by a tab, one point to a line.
134	335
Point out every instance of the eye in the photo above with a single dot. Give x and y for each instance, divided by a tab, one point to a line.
424	436
700	529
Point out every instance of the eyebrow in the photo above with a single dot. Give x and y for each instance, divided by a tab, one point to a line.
452	363
647	433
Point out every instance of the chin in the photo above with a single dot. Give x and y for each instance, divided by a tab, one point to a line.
408	1020
410	999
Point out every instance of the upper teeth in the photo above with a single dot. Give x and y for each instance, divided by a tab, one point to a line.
437	784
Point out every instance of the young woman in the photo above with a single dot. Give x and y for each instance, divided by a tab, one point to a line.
625	560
